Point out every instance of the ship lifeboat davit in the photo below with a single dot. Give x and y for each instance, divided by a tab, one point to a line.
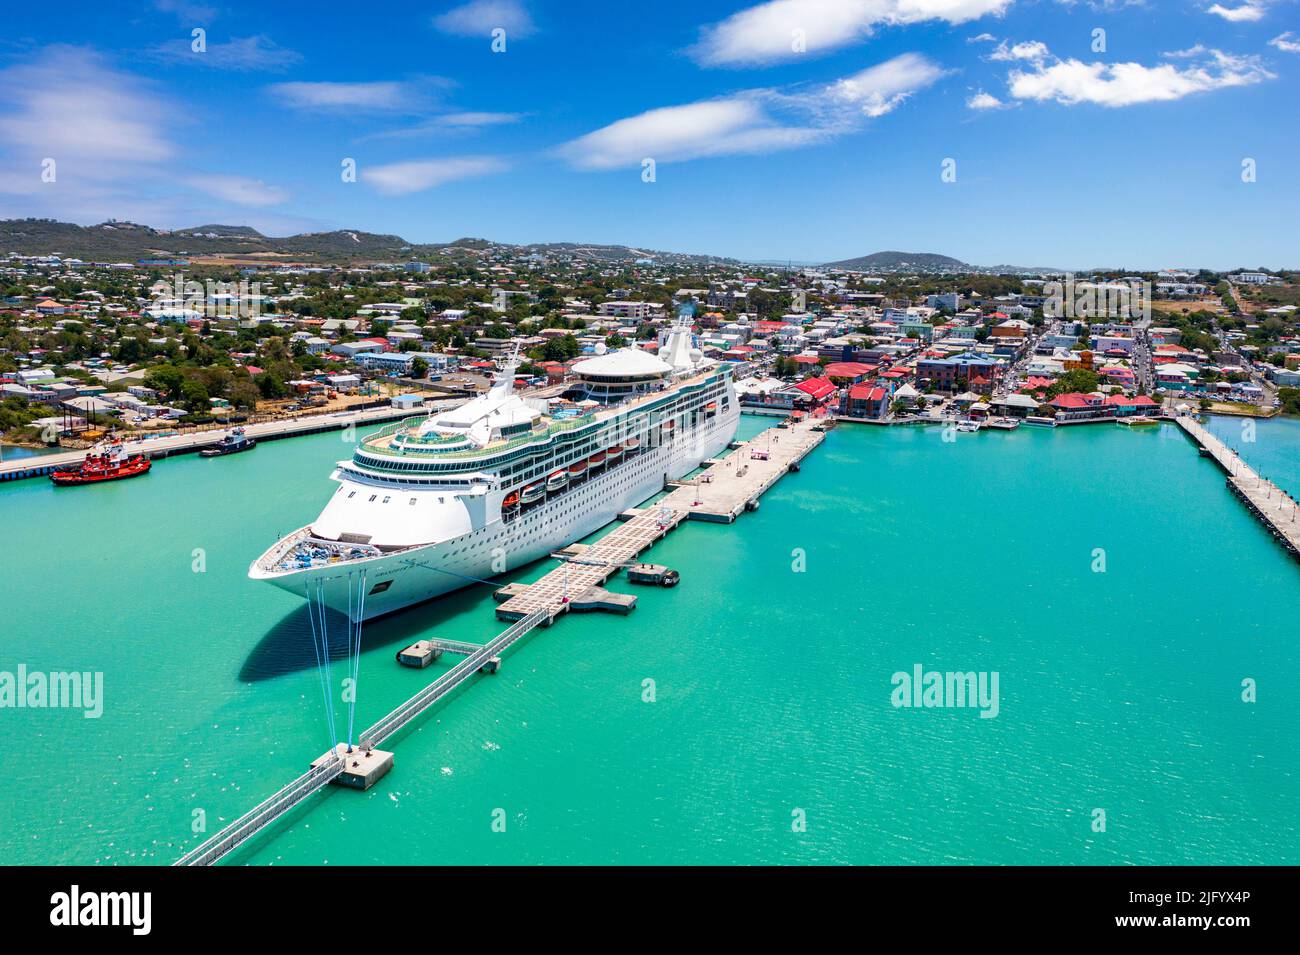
533	492
597	458
512	500
615	452
577	468
631	444
557	480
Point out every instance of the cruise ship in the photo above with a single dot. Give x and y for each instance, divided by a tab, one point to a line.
444	500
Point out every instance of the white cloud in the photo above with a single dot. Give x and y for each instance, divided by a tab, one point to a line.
881	88
1285	43
327	96
239	190
983	100
1124	84
400	178
753	121
240	54
70	105
1246	13
187	11
768	32
982	38
481	17
477	119
677	133
1034	51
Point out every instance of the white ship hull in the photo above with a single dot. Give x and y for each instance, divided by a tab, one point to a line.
394	581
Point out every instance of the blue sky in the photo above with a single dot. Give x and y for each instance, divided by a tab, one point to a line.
797	129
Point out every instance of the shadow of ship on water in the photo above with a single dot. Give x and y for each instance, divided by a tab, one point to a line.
287	646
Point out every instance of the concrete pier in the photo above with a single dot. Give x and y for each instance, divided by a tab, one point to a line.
361	769
598	598
1279	514
163	447
720	493
423	652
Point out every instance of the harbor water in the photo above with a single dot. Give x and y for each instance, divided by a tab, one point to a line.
1108	577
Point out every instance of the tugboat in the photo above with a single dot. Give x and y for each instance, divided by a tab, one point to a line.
111	464
232	443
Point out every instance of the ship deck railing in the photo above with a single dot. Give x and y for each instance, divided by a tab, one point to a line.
556	426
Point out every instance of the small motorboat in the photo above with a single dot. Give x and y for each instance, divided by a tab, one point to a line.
112	464
232	443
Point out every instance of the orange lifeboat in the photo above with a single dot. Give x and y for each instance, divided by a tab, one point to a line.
614	452
597	458
512	499
577	468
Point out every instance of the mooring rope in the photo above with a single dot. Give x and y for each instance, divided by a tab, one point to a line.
325	644
356	653
320	666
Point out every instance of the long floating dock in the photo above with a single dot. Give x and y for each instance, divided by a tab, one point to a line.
723	491
192	441
333	764
1279	514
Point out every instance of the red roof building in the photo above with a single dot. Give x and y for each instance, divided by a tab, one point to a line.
817	389
852	370
865	401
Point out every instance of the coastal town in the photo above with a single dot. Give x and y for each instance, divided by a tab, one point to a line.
90	350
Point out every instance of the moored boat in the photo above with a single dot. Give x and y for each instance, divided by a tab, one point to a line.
236	441
112	464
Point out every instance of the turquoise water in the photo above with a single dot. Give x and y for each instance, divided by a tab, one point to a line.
1270	446
14	452
1119	690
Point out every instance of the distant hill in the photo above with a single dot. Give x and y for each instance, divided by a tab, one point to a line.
130	242
901	261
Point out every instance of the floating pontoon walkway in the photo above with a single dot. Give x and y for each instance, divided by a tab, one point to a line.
720	493
1279	514
331	765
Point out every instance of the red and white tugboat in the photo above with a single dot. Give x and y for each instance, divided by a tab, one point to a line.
110	464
